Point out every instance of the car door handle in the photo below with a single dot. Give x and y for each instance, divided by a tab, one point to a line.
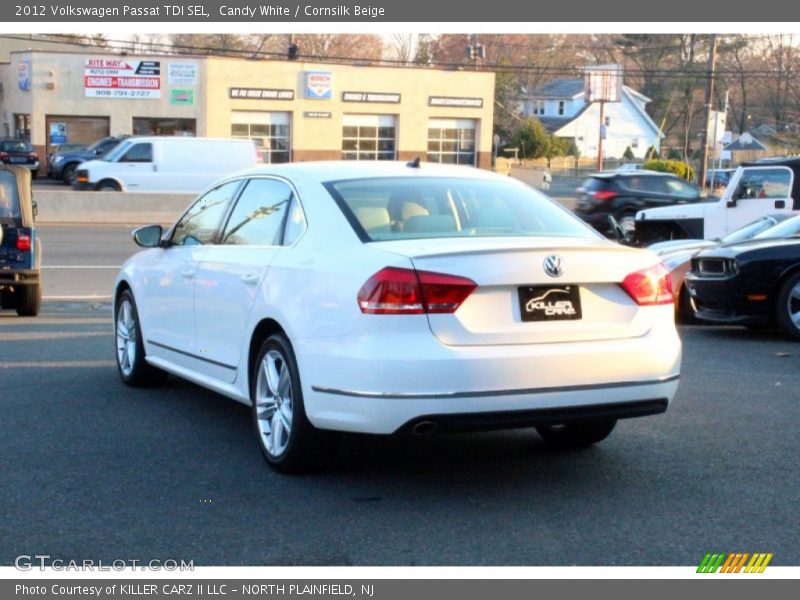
187	273
250	278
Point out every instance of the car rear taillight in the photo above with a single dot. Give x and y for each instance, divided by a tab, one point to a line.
23	241
3	155
397	291
604	195
649	286
34	155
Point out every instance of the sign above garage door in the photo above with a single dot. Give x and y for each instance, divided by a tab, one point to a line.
121	78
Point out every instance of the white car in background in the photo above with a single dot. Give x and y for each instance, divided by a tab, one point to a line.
386	297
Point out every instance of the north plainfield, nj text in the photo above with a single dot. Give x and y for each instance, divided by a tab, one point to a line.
256	11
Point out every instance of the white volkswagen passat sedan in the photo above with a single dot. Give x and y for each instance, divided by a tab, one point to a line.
388	297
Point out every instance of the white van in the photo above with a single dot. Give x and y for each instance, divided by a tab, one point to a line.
166	164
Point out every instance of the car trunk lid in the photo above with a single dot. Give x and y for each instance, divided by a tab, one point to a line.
510	274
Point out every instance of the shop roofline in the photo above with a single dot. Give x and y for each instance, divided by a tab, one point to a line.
105	51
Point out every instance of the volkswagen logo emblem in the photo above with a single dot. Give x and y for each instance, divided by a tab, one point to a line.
554	265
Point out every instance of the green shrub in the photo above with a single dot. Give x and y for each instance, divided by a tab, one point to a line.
679	168
531	139
673	154
628	154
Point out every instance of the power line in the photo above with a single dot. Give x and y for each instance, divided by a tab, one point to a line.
576	72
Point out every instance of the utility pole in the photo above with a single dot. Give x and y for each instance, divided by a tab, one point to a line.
715	138
712	65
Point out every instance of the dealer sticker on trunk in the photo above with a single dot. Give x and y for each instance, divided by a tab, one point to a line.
550	303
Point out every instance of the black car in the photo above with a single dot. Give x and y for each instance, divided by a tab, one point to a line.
622	194
19	152
20	250
63	165
755	283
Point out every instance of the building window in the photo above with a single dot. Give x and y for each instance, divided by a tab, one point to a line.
634	142
369	137
271	131
560	108
22	126
148	126
538	107
451	141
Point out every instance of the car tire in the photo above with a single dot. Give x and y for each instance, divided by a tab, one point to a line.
28	300
68	174
108	186
288	440
787	307
129	347
579	434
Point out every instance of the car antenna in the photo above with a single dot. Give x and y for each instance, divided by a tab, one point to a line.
414	164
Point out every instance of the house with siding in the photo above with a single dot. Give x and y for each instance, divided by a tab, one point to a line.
562	108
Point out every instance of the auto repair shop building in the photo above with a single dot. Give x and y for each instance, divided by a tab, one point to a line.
295	111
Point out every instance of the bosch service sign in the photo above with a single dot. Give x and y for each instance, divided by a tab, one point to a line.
121	78
319	85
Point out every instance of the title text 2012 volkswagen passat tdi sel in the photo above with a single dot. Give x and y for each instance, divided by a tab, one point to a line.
394	297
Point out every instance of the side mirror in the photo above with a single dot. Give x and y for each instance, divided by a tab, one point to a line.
148	236
35	207
97	151
731	203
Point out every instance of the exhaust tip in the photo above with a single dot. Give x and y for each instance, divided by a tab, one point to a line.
425	428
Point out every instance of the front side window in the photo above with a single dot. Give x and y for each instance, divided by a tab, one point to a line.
442	207
770	183
257	218
140	153
200	223
678	187
9	198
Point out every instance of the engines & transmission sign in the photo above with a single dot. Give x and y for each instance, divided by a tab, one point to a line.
119	78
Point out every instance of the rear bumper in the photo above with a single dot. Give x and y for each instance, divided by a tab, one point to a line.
20	277
468	422
364	384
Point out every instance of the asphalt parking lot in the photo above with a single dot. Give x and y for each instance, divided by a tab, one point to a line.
93	469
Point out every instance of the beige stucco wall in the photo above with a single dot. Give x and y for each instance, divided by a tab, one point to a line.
64	72
325	135
212	107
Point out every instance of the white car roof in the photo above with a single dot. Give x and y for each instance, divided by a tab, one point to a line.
337	170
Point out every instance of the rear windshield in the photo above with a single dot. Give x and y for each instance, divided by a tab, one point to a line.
9	200
439	207
15	146
595	183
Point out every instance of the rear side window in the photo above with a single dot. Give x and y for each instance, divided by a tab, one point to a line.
9	199
258	217
440	207
200	223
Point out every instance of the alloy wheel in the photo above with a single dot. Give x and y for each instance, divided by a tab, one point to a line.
274	403
126	338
